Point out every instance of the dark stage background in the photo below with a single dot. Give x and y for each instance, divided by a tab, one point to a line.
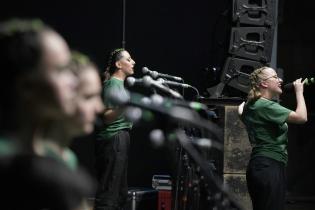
187	39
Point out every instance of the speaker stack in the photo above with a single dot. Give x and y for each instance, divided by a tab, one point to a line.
252	45
252	40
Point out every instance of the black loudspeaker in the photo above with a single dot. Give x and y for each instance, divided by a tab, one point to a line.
236	72
254	12
251	44
254	43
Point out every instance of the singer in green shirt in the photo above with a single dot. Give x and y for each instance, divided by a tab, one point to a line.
266	125
112	143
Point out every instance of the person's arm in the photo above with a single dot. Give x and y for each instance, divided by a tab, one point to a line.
298	116
111	115
240	108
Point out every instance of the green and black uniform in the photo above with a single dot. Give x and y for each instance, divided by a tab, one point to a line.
265	121
111	149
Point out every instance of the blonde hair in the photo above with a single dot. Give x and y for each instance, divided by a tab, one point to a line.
255	80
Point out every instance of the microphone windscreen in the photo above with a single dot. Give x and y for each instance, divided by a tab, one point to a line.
130	81
145	70
309	81
147	81
117	98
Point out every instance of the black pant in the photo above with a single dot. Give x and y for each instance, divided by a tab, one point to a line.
266	183
111	169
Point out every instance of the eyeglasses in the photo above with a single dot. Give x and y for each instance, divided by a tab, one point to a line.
274	76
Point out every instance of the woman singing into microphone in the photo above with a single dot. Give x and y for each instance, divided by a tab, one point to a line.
112	143
266	124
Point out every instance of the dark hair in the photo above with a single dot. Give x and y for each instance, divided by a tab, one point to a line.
114	56
20	53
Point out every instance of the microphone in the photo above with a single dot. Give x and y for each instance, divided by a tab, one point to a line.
168	108
156	74
149	82
177	84
171	83
131	81
207	143
290	86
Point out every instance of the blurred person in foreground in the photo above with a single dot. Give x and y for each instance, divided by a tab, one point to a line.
37	87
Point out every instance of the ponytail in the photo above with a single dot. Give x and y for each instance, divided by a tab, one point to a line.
114	56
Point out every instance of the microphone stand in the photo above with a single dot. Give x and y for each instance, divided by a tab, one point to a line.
187	117
223	199
194	88
180	160
185	193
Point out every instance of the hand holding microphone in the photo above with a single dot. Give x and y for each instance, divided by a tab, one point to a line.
298	85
